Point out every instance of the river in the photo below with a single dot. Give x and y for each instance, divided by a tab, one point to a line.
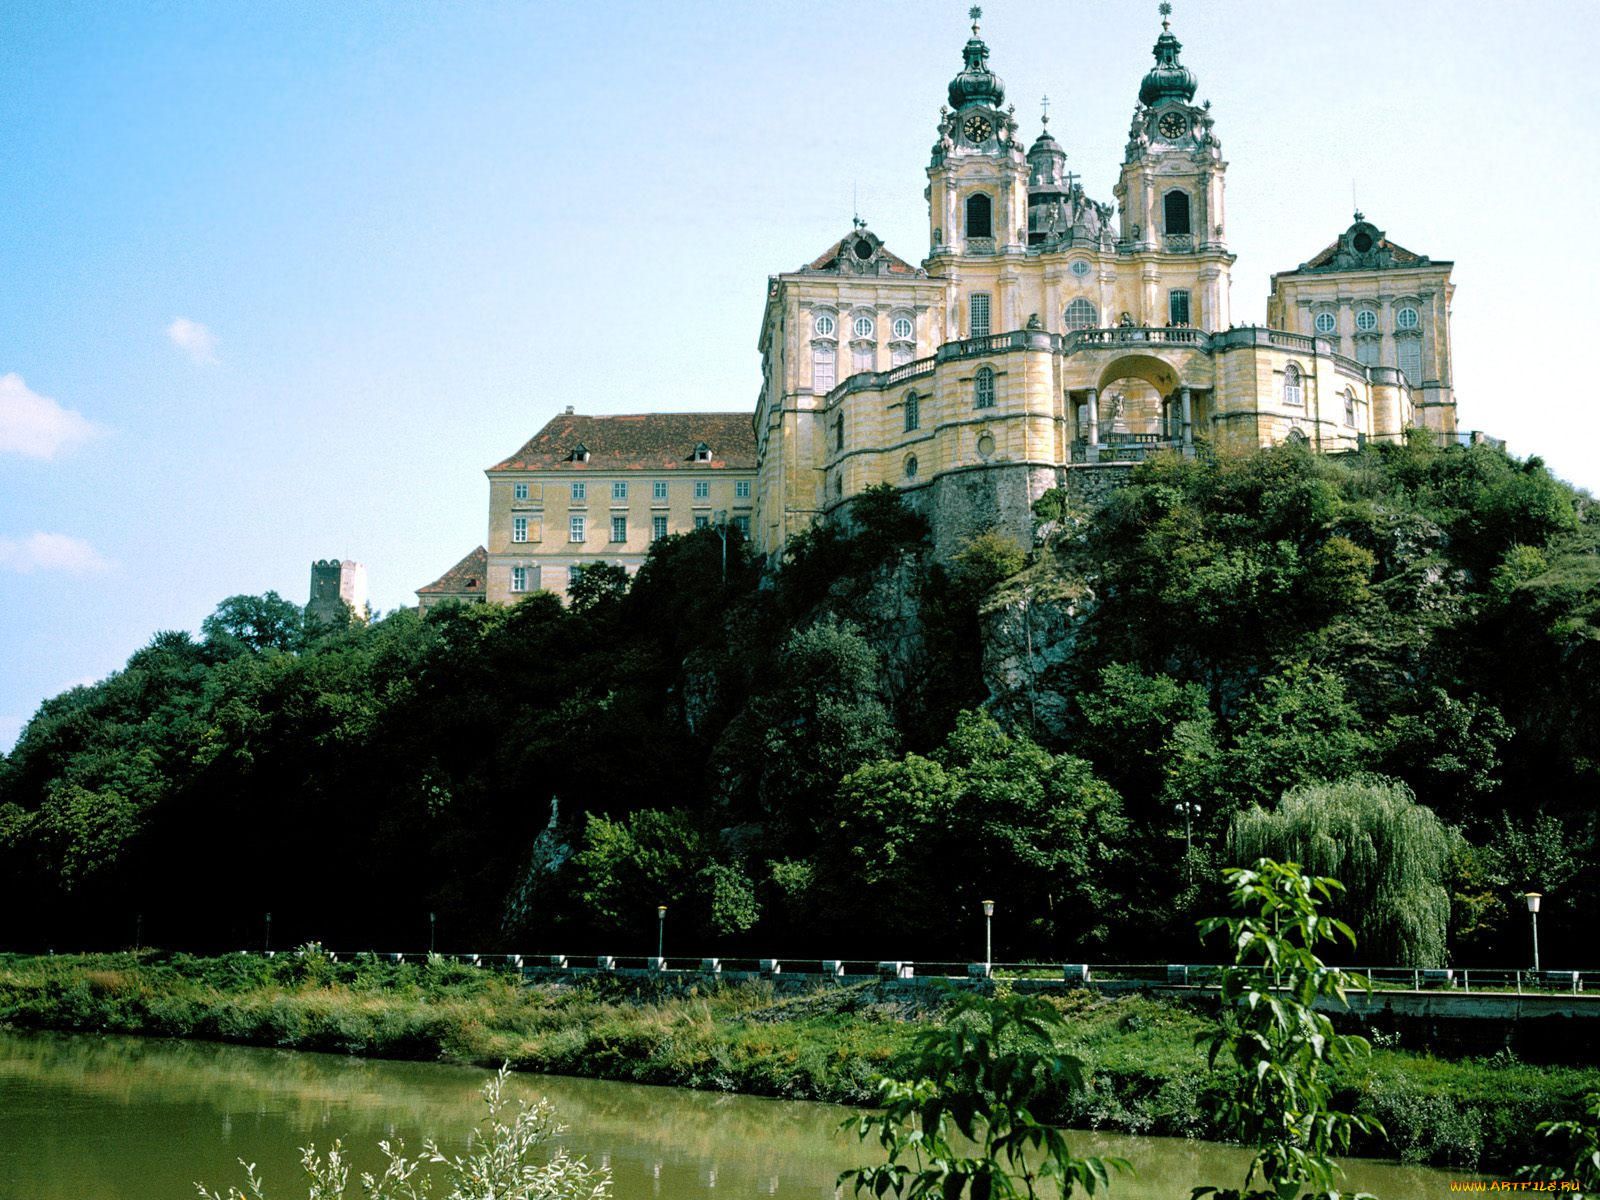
117	1118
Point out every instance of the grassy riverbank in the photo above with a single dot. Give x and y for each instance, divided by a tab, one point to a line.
1146	1075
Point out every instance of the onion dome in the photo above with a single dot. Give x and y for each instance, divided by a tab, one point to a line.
1168	79
976	84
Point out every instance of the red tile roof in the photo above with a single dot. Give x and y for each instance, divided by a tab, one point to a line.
644	441
466	578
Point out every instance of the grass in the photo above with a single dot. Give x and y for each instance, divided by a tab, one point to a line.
1145	1074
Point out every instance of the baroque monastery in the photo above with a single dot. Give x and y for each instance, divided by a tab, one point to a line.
1048	339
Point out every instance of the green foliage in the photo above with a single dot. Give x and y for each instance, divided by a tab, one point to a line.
1300	727
1035	832
1576	1145
1390	853
506	1159
252	624
602	584
1269	1028
980	1077
986	559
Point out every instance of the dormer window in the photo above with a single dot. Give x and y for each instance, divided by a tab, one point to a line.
702	453
580	453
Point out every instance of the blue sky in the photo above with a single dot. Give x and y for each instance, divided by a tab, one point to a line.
278	281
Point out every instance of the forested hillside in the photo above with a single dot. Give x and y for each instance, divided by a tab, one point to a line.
1387	665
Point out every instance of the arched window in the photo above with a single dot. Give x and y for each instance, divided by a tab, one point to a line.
1293	391
1175	208
983	388
1082	314
1349	407
913	411
980	223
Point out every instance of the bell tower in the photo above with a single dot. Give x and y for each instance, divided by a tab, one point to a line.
978	176
1171	195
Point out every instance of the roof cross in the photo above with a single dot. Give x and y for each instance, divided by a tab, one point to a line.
1044	103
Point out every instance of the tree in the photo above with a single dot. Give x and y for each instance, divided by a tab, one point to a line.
1280	1098
979	1076
602	585
827	718
253	624
1300	727
1392	855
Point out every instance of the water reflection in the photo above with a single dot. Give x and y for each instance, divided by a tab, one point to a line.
132	1119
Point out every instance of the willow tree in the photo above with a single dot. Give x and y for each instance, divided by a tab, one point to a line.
1390	852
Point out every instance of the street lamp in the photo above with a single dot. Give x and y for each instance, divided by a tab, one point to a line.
266	946
1533	899
1189	809
432	917
721	520
988	939
661	933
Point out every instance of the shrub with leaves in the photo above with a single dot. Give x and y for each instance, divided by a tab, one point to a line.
979	1075
505	1160
1286	1051
1577	1146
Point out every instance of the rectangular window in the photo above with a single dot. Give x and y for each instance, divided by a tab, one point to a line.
1177	307
574	574
619	491
978	315
1367	350
580	491
744	525
619	529
741	490
519	491
913	411
658	528
822	369
702	522
519	529
575	529
1410	351
660	490
862	358
702	489
899	356
519	579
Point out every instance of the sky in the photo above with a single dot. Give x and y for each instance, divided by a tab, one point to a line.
279	281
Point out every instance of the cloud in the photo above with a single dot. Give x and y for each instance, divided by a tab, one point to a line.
194	339
50	552
36	425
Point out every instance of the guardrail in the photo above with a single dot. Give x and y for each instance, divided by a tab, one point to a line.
1103	976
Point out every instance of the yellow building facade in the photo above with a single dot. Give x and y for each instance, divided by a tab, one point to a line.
1047	335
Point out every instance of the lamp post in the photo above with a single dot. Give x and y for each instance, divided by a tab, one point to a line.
432	918
988	938
266	945
1189	809
1533	899
661	933
721	520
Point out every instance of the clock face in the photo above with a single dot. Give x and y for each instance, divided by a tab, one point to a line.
1173	125
977	129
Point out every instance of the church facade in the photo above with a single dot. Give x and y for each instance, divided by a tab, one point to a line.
1046	340
1047	335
